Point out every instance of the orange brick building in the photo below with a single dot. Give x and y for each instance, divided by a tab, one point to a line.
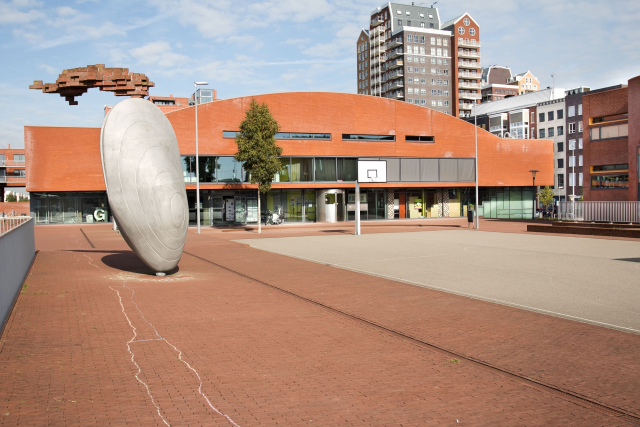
429	157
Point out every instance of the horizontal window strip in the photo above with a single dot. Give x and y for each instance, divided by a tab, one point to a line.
286	135
361	137
419	138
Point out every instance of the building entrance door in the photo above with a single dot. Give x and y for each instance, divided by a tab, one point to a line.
330	207
241	209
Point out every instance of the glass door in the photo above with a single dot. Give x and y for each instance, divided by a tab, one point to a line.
241	209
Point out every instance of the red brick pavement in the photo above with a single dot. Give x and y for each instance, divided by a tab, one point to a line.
267	358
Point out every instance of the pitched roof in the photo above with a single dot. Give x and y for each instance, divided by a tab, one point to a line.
520	101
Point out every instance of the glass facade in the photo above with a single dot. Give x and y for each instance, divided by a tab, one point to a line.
294	205
507	202
70	207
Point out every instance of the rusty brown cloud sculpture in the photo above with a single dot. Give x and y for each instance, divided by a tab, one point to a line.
77	81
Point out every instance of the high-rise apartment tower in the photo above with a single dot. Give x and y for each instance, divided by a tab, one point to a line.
411	56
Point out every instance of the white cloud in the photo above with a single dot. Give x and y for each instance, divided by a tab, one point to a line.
10	13
49	69
158	53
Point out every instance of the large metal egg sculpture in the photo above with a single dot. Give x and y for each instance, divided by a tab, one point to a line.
143	175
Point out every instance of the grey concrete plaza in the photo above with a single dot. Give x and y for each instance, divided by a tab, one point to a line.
589	280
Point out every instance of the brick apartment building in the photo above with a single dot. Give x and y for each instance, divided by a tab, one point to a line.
575	141
551	125
12	178
412	57
611	147
494	83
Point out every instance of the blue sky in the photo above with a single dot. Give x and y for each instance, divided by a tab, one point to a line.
243	48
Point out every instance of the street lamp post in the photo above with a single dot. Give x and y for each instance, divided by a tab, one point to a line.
533	174
195	98
475	130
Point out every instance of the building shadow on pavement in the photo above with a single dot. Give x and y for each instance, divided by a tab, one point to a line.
129	261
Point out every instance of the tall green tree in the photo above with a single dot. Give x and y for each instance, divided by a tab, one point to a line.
257	148
546	197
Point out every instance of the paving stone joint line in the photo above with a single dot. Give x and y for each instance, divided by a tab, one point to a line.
568	395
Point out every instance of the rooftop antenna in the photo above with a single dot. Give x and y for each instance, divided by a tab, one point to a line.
553	86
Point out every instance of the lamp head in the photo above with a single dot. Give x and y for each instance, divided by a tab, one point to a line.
533	173
201	83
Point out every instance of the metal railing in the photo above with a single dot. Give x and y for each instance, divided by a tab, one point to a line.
11	163
10	222
623	212
9	179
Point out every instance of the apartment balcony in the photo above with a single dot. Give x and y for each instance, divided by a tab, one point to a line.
465	106
9	179
468	54
394	53
395	75
468	43
394	64
398	94
11	164
469	64
378	41
395	42
396	84
469	75
468	85
467	95
376	22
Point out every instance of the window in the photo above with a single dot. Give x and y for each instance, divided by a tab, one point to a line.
446	93
421	15
413	138
446	103
439	93
580	160
297	135
572	144
445	52
408	13
433	81
410	100
609	132
409	69
434	92
409	38
560	147
439	42
423	70
541	117
410	91
416	101
422	60
415	39
433	40
542	133
572	180
472	31
423	81
560	163
610	182
433	71
355	137
445	42
572	111
439	82
408	23
422	39
439	103
433	103
466	21
560	114
422	50
580	179
533	115
433	51
399	12
18	158
580	127
572	161
550	132
607	168
423	102
560	130
572	128
580	109
580	143
422	91
560	180
461	30
399	22
550	115
433	60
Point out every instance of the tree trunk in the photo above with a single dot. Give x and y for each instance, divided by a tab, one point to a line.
259	212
